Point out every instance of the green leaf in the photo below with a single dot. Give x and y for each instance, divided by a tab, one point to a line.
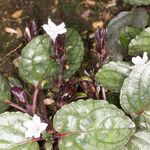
75	52
138	2
5	93
141	43
12	132
92	125
48	145
126	35
34	64
134	96
139	141
113	74
137	18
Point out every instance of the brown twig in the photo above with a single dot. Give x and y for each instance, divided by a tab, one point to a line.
36	91
13	51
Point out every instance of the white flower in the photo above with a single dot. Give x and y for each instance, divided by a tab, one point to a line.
34	127
53	30
139	61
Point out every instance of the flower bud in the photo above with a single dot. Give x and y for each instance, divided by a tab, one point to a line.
19	93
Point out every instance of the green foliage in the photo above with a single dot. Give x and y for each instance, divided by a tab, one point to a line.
139	141
137	18
92	124
126	35
12	132
138	2
140	43
5	93
134	96
36	64
113	74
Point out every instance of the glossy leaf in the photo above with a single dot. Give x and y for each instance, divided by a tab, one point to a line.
92	124
113	74
140	43
12	132
34	64
5	93
138	2
134	96
139	141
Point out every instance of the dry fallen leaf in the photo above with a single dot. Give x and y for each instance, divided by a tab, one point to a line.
90	2
98	24
111	3
12	31
17	14
48	101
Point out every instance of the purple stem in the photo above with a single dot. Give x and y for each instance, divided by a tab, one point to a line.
16	106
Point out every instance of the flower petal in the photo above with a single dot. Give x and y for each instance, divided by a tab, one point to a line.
145	57
51	24
137	60
37	134
43	126
36	119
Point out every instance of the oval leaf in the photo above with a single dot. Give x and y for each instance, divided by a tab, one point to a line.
5	93
139	141
113	74
140	43
134	96
138	2
12	132
92	124
34	64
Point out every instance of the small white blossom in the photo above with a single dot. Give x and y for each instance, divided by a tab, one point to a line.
34	127
53	30
139	61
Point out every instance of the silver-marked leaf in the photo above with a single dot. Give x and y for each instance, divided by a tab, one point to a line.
34	64
5	93
139	141
113	74
12	136
92	125
140	43
138	2
134	96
